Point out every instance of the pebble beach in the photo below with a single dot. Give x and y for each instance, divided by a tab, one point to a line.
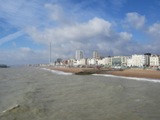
139	73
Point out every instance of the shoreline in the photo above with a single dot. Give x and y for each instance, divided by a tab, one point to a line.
150	74
138	73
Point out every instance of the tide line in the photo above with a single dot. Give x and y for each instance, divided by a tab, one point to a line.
57	72
11	108
132	78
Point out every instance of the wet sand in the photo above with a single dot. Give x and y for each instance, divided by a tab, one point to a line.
140	73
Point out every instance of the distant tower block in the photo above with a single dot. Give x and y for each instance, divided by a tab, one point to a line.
50	53
79	55
96	55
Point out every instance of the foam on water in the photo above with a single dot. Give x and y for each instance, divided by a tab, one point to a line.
11	108
58	72
132	78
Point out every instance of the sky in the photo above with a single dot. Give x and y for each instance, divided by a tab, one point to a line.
111	27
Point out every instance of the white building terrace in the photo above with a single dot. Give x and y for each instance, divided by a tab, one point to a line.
135	60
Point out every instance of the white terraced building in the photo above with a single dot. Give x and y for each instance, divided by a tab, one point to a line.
154	60
105	61
82	62
139	60
92	61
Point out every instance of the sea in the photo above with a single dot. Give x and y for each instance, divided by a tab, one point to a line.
33	93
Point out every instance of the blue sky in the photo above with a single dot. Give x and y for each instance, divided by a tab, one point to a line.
112	27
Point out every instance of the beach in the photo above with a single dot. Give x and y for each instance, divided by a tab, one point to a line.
153	74
139	73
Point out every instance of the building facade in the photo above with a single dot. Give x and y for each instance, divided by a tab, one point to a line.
96	55
139	60
119	61
79	55
82	62
92	61
154	60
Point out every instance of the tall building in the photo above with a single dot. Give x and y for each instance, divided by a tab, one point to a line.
96	55
79	55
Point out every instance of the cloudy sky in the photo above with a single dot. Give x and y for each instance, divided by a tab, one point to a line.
112	27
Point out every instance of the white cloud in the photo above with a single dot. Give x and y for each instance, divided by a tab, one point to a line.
56	12
80	32
11	37
96	34
154	30
25	49
135	20
125	36
154	34
22	13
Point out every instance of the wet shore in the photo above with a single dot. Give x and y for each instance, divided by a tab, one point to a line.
139	73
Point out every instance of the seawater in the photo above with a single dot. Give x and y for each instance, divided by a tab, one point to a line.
40	94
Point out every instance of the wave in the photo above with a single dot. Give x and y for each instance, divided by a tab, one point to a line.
11	108
132	78
58	72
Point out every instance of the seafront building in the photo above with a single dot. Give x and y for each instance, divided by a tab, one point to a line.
92	61
129	61
82	61
147	55
107	61
96	55
79	55
145	60
119	60
72	62
154	60
138	60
